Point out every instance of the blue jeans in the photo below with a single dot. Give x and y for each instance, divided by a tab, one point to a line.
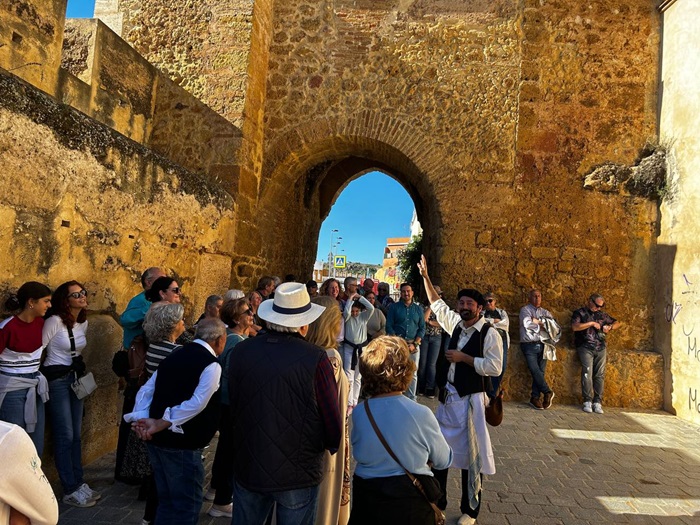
592	373
294	507
179	475
66	413
429	351
411	392
12	411
536	363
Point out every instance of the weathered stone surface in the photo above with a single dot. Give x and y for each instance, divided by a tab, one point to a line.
489	113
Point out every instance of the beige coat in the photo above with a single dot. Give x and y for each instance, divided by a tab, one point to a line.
333	505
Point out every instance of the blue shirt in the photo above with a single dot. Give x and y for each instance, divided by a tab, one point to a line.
405	321
411	431
132	318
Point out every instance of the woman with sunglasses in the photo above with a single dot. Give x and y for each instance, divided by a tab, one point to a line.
166	289
64	337
20	355
237	315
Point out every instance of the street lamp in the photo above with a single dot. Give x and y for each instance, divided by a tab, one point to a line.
337	243
330	255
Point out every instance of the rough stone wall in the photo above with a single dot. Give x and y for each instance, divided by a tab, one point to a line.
491	114
678	262
79	201
202	46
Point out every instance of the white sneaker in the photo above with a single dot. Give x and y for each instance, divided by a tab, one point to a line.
221	511
210	495
78	499
587	407
465	519
89	493
597	408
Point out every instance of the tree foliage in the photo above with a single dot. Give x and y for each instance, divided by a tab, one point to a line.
408	263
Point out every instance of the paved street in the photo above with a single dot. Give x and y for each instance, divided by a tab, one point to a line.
559	466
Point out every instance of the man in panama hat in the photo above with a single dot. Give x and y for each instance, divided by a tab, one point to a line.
284	402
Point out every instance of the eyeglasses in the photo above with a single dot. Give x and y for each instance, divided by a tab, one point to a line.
78	295
175	290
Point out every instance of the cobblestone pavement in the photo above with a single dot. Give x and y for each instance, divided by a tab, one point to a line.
559	466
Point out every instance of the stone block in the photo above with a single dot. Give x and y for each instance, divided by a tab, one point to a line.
543	252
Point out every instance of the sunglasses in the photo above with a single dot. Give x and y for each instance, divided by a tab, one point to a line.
174	290
249	312
489	300
78	295
599	305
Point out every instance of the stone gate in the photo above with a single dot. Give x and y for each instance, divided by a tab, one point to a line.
212	138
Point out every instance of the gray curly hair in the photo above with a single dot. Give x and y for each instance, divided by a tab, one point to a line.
161	319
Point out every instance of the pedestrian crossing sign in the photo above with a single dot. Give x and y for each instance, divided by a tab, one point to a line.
339	261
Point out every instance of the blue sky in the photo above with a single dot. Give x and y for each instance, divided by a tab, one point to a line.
363	224
80	8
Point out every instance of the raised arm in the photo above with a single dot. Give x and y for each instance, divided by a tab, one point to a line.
427	283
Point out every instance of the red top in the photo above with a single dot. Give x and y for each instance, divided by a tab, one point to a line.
19	336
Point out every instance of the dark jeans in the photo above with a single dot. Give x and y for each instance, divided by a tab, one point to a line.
429	351
441	476
536	363
179	475
222	468
592	373
124	431
66	413
294	507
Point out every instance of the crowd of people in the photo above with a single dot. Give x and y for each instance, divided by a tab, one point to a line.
296	379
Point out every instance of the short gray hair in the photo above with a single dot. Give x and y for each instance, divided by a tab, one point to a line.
279	328
210	330
349	280
161	319
212	300
233	294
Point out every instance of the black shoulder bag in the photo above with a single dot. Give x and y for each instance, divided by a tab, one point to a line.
429	481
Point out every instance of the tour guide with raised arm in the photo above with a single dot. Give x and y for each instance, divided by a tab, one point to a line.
463	373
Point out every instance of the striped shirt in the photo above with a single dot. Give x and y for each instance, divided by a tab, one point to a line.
156	353
20	345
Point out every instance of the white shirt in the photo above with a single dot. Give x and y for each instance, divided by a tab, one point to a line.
356	327
492	362
530	332
182	413
55	338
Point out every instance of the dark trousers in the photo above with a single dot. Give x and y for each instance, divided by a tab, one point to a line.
441	476
222	468
534	356
124	431
388	501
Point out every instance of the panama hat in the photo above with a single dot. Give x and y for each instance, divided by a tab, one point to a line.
291	307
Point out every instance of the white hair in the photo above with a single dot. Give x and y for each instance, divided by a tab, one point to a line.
279	328
232	295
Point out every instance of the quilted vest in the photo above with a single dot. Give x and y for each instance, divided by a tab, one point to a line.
278	433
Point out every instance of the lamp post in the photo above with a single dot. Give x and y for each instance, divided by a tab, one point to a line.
330	255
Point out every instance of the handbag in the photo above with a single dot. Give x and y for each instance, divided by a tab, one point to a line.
494	411
429	481
84	385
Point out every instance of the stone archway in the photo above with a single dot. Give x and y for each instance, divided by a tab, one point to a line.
305	171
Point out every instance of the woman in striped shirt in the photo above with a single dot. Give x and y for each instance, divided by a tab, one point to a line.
23	390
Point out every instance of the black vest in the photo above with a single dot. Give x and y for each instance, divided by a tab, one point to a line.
177	379
466	380
278	433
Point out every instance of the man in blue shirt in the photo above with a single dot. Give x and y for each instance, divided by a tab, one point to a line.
405	319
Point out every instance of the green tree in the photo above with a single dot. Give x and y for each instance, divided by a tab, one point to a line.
408	264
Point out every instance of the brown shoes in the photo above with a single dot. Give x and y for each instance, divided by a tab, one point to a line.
536	403
548	400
